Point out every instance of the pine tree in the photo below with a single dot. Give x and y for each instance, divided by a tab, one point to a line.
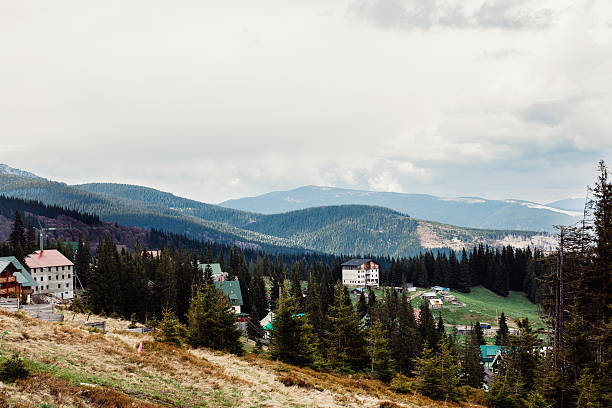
291	338
438	374
405	348
362	306
17	236
170	329
471	367
212	321
345	340
479	333
501	337
378	351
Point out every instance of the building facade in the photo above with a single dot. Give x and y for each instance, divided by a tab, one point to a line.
53	273
361	272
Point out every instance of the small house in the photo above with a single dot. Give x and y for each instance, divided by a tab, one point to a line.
357	291
440	289
15	280
435	303
449	298
428	295
488	354
231	289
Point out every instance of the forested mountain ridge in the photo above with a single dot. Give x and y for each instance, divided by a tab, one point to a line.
472	212
333	229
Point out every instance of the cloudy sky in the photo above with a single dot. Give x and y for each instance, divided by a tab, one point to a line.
221	99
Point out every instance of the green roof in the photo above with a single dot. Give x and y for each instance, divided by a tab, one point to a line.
488	353
231	289
216	268
23	276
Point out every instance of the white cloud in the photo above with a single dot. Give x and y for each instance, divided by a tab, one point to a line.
216	101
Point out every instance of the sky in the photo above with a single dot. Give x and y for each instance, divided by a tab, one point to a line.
214	100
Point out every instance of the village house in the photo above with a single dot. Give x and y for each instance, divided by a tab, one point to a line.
53	273
429	295
435	303
231	289
217	274
360	272
15	280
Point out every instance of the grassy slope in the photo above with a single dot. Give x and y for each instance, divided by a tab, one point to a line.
73	367
484	305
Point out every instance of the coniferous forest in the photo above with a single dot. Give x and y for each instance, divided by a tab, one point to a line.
319	326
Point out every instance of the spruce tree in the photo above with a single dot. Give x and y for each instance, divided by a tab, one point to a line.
472	370
501	337
479	333
212	321
291	338
437	374
345	339
378	351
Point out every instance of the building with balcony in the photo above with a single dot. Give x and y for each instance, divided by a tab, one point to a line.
361	272
15	280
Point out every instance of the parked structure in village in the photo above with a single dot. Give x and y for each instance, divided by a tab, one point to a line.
53	273
361	272
15	280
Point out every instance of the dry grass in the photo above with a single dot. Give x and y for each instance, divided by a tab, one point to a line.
64	357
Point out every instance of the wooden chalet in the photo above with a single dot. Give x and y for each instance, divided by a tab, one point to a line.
15	280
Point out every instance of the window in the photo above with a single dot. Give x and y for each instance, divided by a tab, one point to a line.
63	268
47	286
56	268
42	278
59	285
35	278
62	276
67	285
56	277
68	276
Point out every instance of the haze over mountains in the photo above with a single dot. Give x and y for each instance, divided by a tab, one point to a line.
473	212
338	229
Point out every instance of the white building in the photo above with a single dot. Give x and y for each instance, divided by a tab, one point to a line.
53	273
361	272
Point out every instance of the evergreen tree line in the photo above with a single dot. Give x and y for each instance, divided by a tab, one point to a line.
8	206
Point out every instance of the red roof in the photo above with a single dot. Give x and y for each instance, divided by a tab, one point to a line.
47	258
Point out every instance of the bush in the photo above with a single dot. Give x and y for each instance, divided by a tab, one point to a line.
401	384
13	369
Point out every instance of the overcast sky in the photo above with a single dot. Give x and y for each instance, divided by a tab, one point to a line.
218	100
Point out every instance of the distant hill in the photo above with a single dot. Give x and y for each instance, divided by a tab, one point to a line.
570	204
5	169
473	212
344	229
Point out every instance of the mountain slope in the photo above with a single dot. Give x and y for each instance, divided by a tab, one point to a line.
470	212
135	213
335	229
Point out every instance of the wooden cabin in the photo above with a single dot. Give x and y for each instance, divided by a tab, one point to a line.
15	280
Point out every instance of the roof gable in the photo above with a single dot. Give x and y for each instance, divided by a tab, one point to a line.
23	276
231	289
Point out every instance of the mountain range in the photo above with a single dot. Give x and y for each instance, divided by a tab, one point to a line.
338	229
473	212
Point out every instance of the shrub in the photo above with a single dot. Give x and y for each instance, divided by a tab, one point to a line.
401	384
13	369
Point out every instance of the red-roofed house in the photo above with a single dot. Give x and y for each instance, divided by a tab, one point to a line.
53	273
